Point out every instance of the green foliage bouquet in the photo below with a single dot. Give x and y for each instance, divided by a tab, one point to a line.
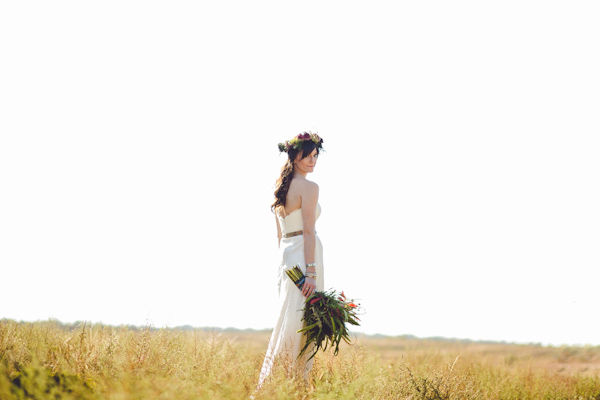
325	317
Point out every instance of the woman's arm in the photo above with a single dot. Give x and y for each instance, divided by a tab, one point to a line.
278	231
310	197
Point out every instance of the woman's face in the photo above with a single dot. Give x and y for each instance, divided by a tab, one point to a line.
307	164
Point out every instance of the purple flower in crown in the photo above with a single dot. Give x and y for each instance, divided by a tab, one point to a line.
306	135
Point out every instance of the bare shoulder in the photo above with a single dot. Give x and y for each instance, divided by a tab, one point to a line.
309	186
309	190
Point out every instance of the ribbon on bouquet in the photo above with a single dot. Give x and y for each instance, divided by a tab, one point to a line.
296	276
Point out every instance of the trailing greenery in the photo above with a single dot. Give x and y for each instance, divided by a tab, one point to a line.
325	317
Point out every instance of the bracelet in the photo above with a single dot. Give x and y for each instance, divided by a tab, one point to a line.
311	265
309	275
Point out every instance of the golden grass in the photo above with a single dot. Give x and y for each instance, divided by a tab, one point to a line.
45	360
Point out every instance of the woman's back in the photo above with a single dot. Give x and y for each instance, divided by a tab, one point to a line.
294	195
293	221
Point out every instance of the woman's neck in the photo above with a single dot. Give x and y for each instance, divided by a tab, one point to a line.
299	174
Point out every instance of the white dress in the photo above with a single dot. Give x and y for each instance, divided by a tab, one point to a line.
285	341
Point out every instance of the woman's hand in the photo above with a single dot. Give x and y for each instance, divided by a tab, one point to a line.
309	287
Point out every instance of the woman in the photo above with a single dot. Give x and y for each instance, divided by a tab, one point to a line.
296	210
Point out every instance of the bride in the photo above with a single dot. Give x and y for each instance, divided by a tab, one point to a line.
296	210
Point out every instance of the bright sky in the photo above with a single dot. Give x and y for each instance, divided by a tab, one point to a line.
459	187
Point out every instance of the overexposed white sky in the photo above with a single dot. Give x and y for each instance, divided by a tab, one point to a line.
459	187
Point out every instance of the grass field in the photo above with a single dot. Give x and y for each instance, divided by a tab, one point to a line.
49	360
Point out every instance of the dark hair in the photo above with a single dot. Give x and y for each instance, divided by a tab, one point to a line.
282	185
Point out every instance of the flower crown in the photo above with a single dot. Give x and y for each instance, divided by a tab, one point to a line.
298	141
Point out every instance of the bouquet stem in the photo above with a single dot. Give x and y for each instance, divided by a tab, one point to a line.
296	276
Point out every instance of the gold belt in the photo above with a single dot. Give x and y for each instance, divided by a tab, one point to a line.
292	234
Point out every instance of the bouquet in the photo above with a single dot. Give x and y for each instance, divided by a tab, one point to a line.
325	315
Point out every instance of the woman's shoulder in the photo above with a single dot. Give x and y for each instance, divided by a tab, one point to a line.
306	185
309	190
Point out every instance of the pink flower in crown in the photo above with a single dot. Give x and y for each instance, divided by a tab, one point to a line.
306	135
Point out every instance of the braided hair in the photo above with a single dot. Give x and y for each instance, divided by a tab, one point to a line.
282	185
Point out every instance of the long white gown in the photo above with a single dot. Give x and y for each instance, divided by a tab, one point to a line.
285	341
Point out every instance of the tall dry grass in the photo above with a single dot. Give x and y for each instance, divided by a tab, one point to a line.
50	360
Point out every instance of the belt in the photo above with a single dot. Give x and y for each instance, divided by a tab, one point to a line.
292	234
